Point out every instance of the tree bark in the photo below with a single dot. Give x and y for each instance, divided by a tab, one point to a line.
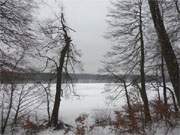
166	47
142	72
55	112
164	81
127	95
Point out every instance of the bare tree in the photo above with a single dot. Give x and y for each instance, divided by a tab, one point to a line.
127	24
16	38
63	62
27	98
5	121
157	61
166	47
16	35
47	90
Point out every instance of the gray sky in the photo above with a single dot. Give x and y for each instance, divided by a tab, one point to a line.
87	17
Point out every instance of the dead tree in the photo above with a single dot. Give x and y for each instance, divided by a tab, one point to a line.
64	56
58	34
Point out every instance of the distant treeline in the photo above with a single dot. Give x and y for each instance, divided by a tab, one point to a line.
8	77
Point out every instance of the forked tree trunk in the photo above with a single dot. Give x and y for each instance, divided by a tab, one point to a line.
166	47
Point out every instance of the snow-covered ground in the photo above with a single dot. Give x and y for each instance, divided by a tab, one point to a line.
90	99
94	101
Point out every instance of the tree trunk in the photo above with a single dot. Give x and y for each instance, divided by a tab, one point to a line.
177	6
55	112
48	102
127	96
18	108
164	81
174	100
143	86
59	91
3	128
166	47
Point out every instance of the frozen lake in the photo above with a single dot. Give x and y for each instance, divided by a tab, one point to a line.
91	98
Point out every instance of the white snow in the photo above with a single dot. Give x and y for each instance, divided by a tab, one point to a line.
92	100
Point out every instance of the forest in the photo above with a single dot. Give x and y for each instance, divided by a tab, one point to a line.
45	89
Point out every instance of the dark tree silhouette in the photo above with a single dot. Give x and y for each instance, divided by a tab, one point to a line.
127	23
166	47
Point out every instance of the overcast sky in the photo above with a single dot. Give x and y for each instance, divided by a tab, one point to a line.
87	17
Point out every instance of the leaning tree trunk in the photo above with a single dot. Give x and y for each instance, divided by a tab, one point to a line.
166	47
3	128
